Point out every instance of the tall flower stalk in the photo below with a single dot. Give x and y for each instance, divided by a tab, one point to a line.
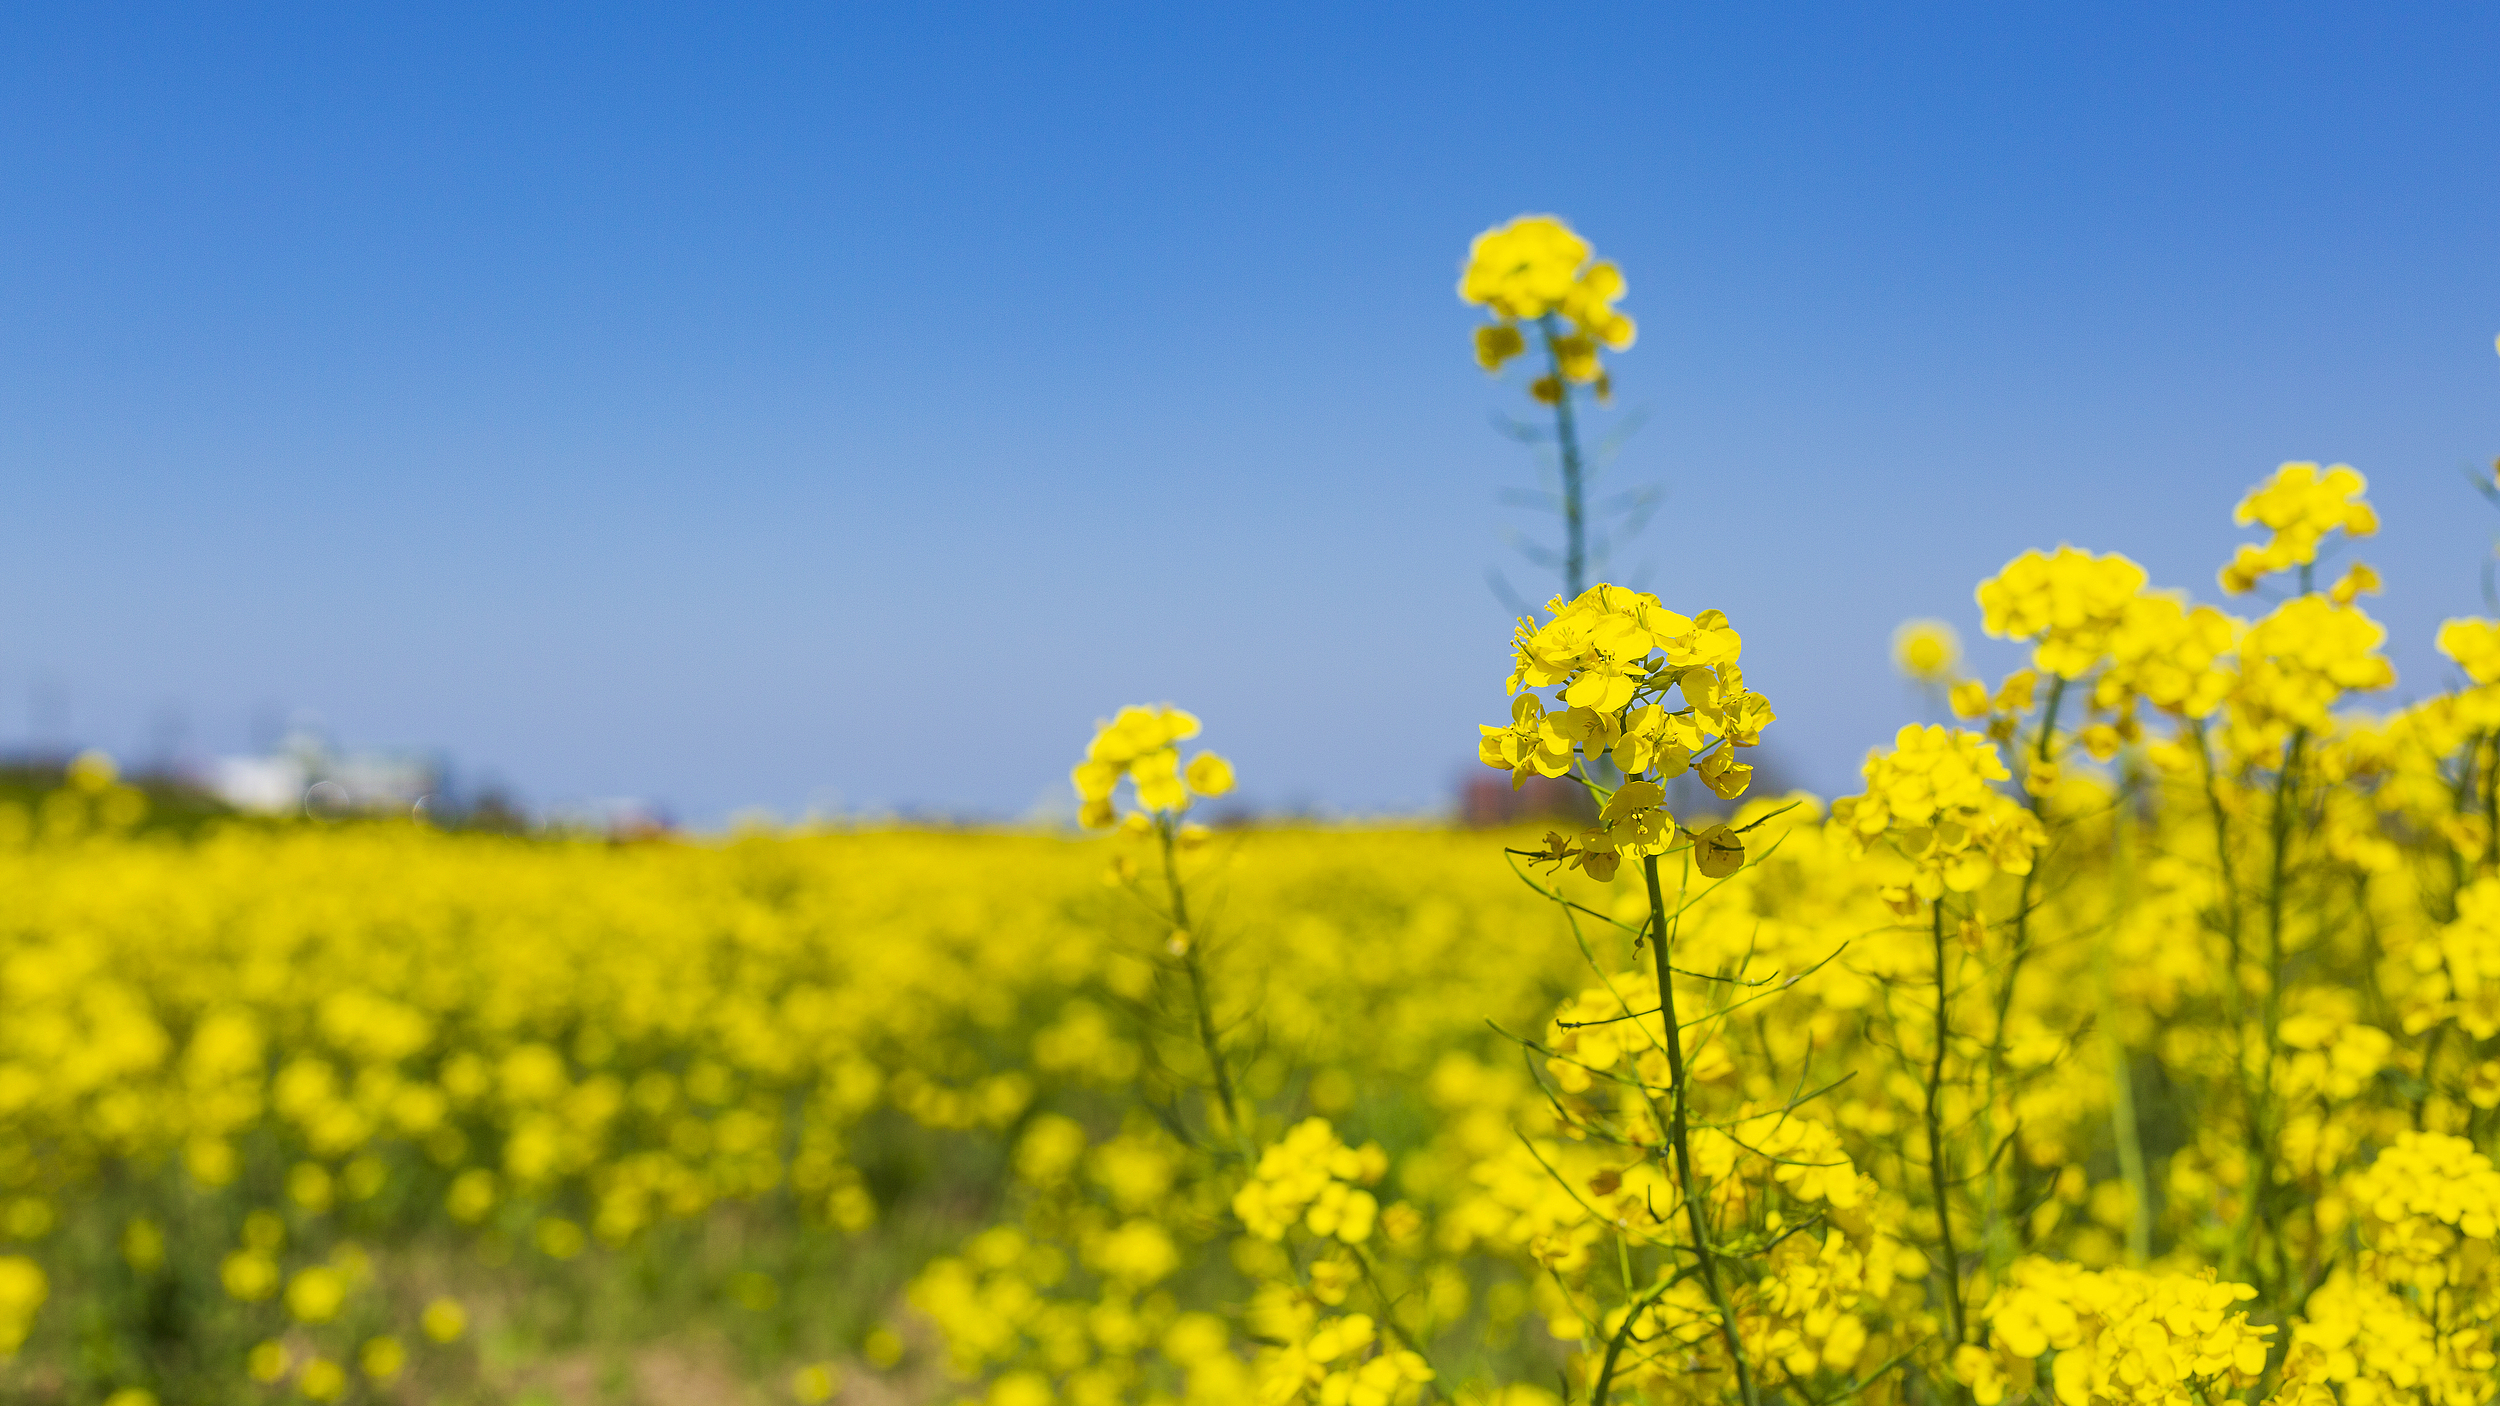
1535	276
1141	746
1645	694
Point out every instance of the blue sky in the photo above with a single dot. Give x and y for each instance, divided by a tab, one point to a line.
844	406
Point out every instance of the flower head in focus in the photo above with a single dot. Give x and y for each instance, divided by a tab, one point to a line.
1644	689
1142	745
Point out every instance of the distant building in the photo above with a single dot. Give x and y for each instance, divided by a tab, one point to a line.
304	773
268	785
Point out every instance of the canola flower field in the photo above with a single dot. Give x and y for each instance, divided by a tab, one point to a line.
2132	1039
318	1112
2134	1042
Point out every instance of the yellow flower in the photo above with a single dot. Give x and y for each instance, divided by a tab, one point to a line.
2297	662
1497	344
1726	777
2474	645
1931	793
1309	1176
1138	1253
93	770
1535	268
559	1239
314	1295
1533	745
1140	745
2169	655
249	1275
815	1382
308	1186
322	1380
471	1196
23	1289
143	1245
1718	852
1209	774
2301	504
2358	580
2070	601
2120	1336
267	1361
1926	650
1158	779
1524	269
444	1320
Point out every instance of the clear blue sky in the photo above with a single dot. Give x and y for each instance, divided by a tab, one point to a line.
736	405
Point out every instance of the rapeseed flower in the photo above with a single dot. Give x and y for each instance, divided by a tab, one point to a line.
1926	650
1140	744
2301	504
2069	600
1535	270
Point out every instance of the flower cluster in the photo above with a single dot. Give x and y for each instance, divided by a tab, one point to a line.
1931	794
2300	505
2413	1317
1534	270
2071	601
1311	1177
2474	645
1617	656
2169	654
2458	974
1342	1362
1141	744
2298	662
2421	1200
2117	1337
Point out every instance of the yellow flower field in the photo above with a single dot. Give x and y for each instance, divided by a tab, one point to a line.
2130	1039
299	1083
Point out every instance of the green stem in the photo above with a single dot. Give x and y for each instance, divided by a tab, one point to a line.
1388	1306
2430	1062
1999	1242
1198	990
1622	1335
2461	800
2222	859
2261	1115
2124	1128
2491	806
1567	443
1704	1252
2234	994
1937	1180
